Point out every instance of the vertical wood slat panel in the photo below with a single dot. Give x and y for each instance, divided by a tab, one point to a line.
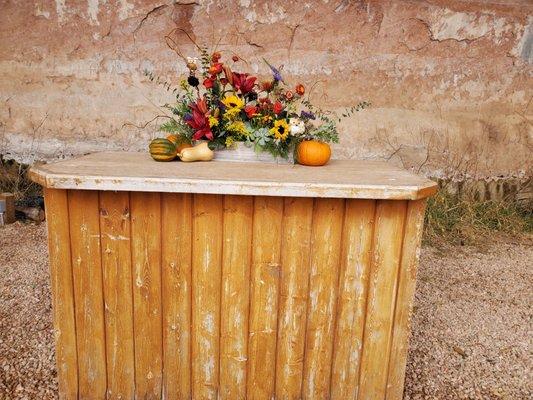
264	293
146	261
206	289
295	255
116	265
386	255
88	292
353	288
236	258
404	299
57	218
176	217
323	280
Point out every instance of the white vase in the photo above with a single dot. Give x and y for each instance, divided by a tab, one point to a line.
239	152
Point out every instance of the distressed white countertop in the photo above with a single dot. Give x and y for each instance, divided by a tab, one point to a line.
122	171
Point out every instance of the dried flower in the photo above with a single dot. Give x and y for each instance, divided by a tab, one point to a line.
289	95
215	57
235	58
193	81
300	89
267	86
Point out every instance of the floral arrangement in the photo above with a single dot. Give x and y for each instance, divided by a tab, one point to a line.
217	104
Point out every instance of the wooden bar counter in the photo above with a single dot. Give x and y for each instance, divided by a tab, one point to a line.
226	280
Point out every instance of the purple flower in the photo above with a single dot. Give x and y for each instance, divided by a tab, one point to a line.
307	115
275	72
187	117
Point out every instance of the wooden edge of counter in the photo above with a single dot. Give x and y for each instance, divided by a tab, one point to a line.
250	188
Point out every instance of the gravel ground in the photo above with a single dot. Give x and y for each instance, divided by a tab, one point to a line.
471	325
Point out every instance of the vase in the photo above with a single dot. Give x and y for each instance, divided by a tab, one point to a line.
240	152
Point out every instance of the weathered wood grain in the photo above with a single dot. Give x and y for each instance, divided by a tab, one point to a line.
88	293
62	292
118	296
323	280
138	172
146	261
404	298
295	257
176	248
236	260
264	293
386	256
351	305
206	290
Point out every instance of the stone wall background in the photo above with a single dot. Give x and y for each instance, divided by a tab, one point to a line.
450	81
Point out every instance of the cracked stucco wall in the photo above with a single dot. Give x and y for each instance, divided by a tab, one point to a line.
450	81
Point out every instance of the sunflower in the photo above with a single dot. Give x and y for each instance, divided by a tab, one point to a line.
233	105
280	129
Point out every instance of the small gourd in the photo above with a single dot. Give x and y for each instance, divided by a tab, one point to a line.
200	152
162	150
179	142
313	153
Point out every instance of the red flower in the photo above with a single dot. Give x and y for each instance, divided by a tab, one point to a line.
216	56
208	83
199	120
215	68
300	89
235	58
250	111
289	95
278	107
224	81
243	82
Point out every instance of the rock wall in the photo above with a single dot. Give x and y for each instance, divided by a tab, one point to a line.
450	82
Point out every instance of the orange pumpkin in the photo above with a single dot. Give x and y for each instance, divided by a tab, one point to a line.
179	142
313	153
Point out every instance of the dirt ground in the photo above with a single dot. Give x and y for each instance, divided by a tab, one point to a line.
471	329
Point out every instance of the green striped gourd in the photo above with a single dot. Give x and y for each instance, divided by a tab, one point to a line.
162	150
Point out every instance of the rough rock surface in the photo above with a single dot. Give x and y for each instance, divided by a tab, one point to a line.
471	323
450	81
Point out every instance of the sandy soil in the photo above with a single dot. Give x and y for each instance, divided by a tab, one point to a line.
471	329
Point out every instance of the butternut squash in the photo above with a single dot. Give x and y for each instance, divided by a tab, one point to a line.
200	152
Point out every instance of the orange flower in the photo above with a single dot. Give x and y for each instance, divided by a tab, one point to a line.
300	89
215	57
215	69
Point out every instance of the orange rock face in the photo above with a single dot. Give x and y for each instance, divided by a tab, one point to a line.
449	81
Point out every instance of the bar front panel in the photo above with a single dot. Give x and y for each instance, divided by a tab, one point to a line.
200	296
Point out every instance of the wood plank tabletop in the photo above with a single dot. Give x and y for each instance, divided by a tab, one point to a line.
126	171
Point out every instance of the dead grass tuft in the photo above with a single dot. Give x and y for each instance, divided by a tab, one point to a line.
462	219
13	179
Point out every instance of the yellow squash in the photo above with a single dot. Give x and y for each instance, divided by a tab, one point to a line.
200	152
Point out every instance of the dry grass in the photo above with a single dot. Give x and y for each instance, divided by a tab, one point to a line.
13	179
465	220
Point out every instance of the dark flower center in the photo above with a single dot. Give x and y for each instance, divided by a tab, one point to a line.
281	130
